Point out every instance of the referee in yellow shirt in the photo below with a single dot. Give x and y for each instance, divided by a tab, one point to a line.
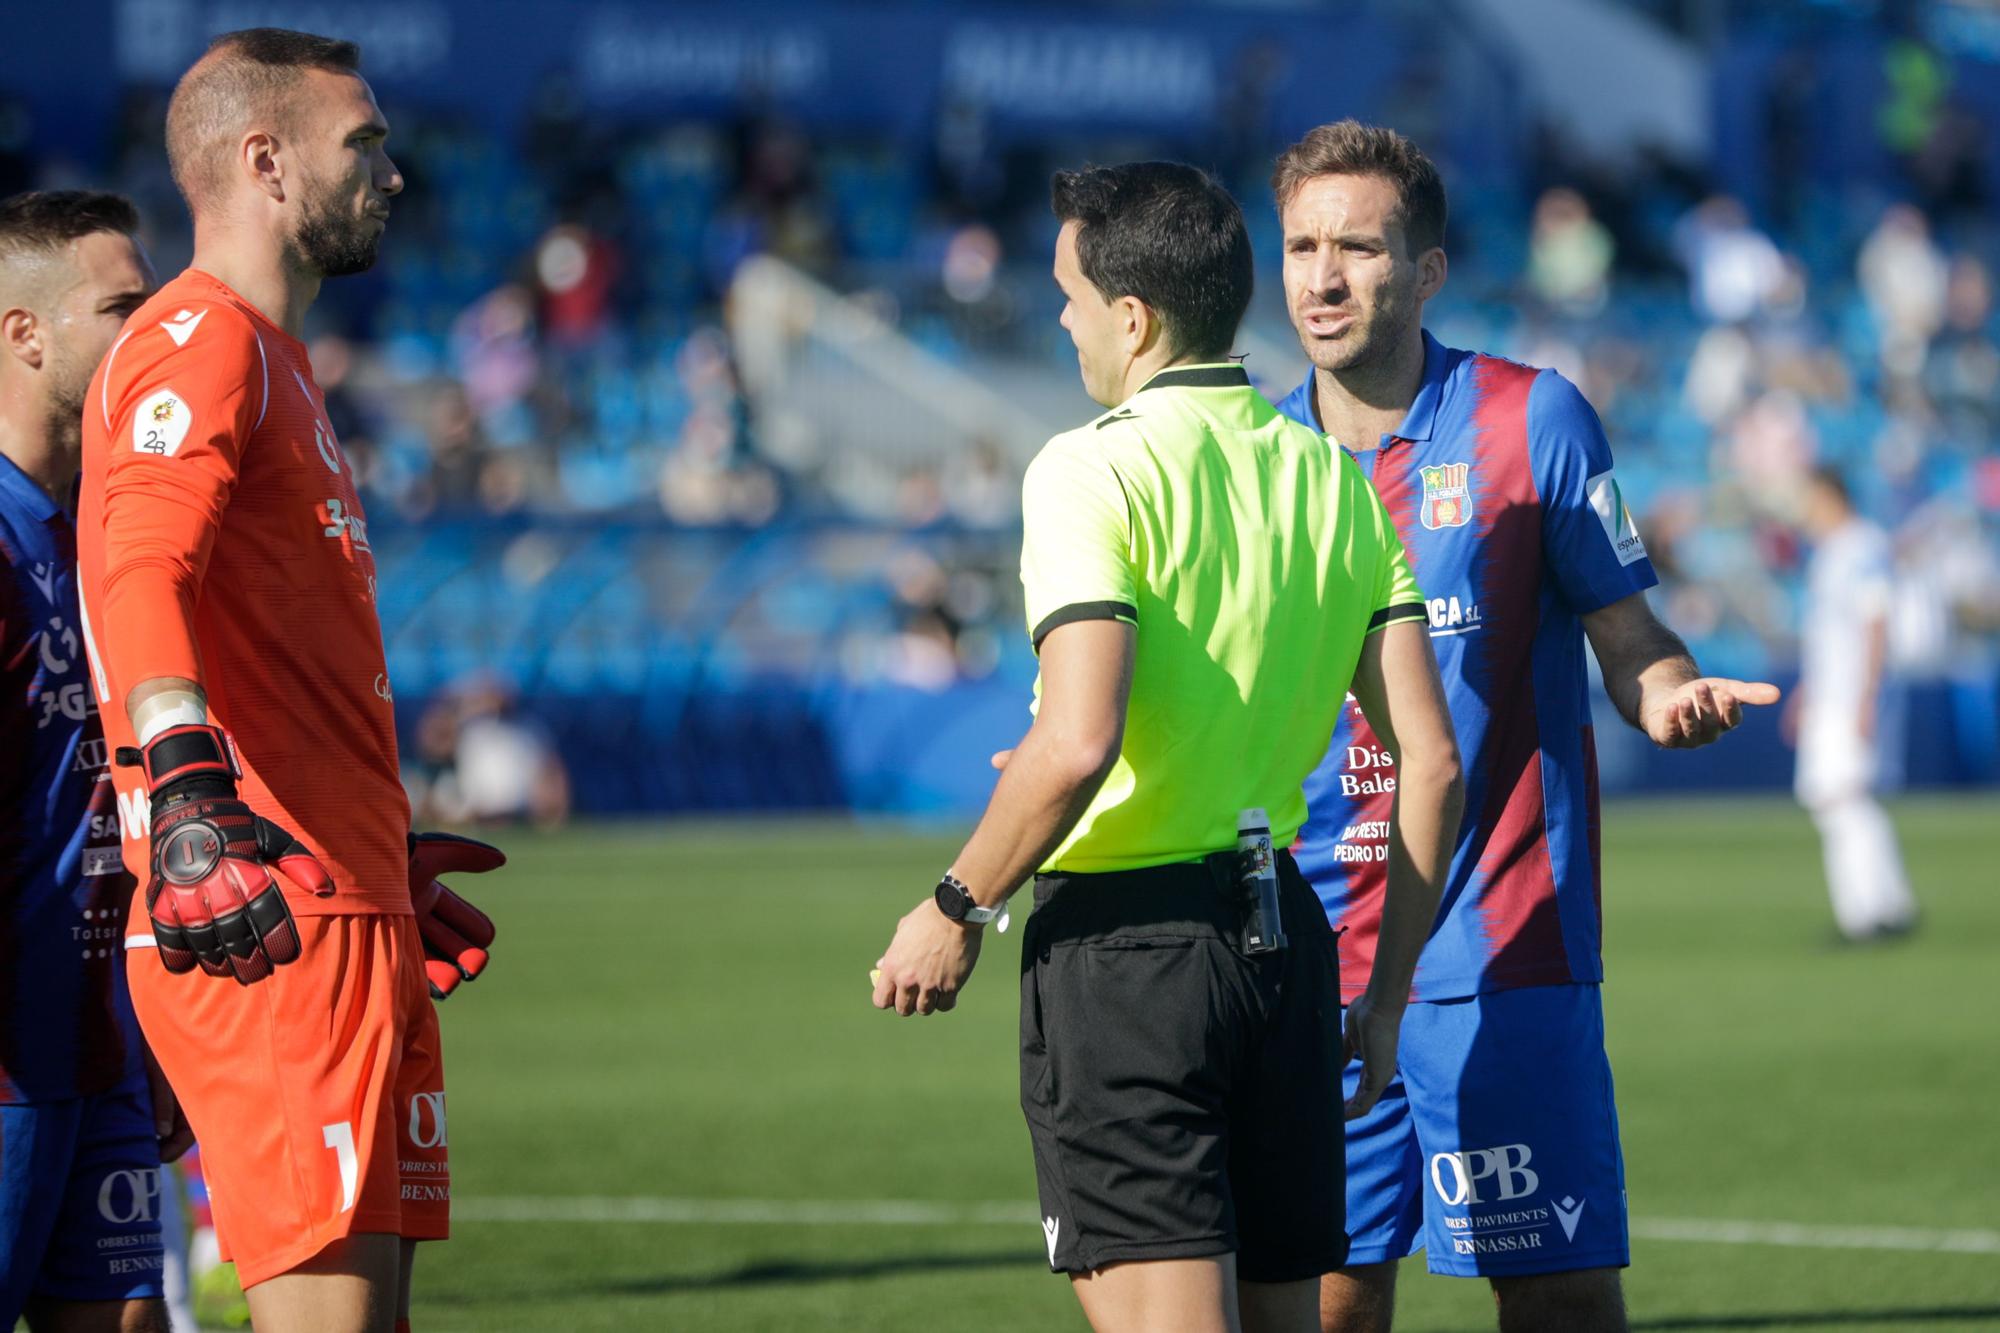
1206	581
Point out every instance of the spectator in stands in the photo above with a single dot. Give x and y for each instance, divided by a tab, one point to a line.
332	359
713	474
1907	439
1792	352
924	652
1569	255
780	188
1732	267
1721	374
1770	446
457	449
706	479
493	350
1948	599
428	764
1903	276
575	271
484	762
981	489
1962	365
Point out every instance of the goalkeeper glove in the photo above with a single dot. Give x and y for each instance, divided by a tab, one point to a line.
212	897
456	934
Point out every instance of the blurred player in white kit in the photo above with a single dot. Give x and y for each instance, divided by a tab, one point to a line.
1837	714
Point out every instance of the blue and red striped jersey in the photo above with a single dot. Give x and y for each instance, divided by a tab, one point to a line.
1500	483
66	1027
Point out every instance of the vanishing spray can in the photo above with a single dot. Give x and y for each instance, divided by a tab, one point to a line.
1257	871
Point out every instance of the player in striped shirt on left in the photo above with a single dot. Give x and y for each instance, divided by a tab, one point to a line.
84	1121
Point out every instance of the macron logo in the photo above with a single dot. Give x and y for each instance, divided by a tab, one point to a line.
182	326
1569	1212
1050	1226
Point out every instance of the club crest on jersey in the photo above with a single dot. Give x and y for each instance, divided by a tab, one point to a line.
1447	496
160	424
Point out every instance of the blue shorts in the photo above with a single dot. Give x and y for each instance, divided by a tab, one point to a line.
1496	1146
79	1200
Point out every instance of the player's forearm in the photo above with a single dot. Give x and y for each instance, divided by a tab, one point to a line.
1642	661
1643	668
1045	788
1423	831
143	625
162	702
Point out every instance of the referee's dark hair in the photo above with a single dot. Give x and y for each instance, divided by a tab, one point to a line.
1349	148
1169	235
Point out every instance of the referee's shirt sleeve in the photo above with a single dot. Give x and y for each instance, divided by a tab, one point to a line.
1076	540
1397	596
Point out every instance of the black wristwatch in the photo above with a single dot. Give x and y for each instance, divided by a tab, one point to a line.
956	903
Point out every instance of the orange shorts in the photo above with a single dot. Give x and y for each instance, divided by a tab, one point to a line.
317	1094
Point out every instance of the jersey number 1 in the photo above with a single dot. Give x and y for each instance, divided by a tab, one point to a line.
340	1138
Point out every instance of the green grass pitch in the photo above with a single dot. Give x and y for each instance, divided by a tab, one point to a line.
676	1026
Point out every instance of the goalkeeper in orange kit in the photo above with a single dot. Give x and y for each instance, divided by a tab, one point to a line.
228	598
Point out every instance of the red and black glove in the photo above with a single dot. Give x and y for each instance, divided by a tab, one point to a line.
212	896
456	934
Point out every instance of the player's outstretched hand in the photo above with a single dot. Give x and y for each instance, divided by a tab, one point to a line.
1700	711
1370	1036
456	934
927	964
213	897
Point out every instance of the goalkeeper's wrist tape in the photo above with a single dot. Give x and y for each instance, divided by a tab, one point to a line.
184	758
172	708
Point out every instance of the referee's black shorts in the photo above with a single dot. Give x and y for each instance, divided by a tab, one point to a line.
1184	1098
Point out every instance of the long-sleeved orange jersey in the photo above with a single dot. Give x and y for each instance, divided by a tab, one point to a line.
220	539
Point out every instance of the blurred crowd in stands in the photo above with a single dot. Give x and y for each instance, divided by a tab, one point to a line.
1881	359
546	342
478	760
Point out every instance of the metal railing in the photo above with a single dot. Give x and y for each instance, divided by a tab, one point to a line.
843	395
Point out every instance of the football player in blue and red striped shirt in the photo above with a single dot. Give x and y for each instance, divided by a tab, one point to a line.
80	1138
1497	1146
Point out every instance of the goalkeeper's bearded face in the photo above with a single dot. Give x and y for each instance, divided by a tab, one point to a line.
346	178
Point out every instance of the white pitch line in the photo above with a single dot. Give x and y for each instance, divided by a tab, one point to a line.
916	1212
1810	1236
756	1212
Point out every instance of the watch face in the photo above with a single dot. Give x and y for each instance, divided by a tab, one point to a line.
952	901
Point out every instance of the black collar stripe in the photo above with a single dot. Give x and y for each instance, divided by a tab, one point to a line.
1200	377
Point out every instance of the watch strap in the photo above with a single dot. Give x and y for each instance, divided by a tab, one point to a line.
1000	917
